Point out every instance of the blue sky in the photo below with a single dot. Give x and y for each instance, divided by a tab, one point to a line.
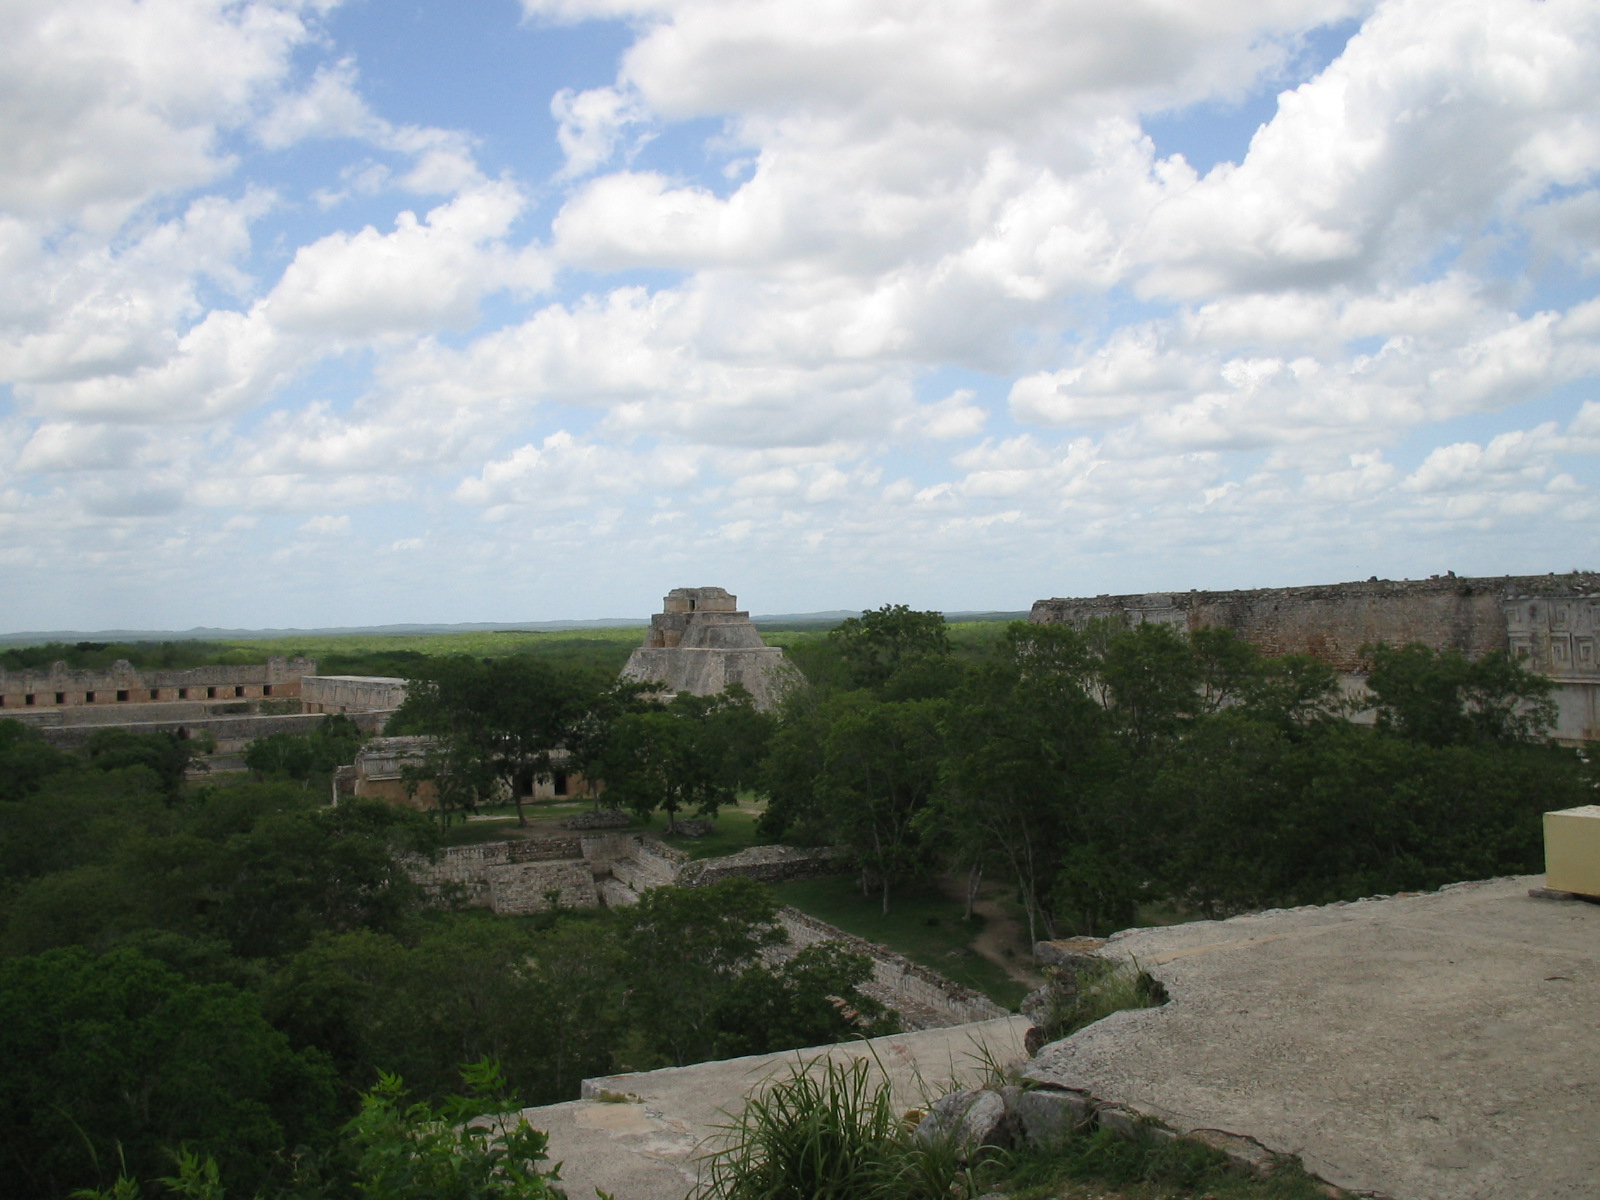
332	313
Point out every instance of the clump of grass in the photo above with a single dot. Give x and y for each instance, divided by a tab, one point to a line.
829	1131
1080	998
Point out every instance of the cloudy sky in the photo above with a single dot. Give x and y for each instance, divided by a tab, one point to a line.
323	313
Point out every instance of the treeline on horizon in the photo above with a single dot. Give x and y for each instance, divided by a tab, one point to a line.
401	655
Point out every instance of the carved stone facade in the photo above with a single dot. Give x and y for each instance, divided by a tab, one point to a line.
1552	622
1556	635
701	643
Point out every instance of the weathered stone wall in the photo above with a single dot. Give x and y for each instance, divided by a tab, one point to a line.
122	683
600	850
1551	622
768	864
649	864
1334	621
701	671
352	693
522	888
513	877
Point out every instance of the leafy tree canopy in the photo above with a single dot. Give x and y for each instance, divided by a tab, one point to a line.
1439	698
878	643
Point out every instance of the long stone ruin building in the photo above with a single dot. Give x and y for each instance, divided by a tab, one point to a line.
232	705
700	643
1550	622
124	684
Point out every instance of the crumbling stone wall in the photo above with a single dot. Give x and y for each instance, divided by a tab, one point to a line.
352	693
767	864
1334	621
512	877
1551	622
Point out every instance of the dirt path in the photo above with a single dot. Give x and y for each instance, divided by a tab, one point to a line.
1001	931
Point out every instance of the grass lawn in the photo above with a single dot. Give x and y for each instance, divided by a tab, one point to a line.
922	924
735	831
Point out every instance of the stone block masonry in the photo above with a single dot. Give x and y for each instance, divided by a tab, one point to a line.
768	864
513	878
701	643
352	693
1549	622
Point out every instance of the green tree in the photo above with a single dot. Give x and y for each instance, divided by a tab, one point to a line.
689	946
298	873
166	754
544	1003
1030	756
303	756
1296	692
27	760
1153	680
695	752
877	767
813	999
496	723
115	1059
878	643
1440	699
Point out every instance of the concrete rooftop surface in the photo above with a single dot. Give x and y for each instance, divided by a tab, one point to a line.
647	1150
1443	1046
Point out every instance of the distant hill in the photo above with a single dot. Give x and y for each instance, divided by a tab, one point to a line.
206	633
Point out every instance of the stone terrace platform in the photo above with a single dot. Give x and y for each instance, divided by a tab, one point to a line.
647	1149
1443	1046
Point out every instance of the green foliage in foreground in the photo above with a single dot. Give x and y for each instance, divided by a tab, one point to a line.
830	1130
392	1149
115	1059
231	967
1105	769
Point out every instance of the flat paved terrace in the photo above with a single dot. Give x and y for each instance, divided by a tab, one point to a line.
646	1150
1443	1046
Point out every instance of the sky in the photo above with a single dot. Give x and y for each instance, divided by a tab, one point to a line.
319	313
